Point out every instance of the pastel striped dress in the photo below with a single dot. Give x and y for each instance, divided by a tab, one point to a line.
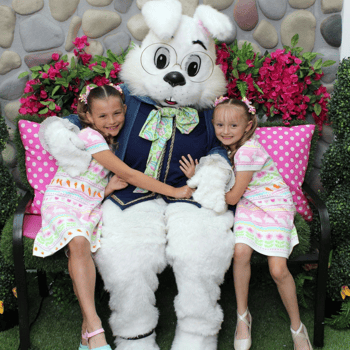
72	205
264	217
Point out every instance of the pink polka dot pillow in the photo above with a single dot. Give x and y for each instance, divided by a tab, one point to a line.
40	165
289	147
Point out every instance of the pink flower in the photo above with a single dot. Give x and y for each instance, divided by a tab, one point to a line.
80	43
100	80
103	64
57	108
85	57
55	56
92	65
280	237
43	94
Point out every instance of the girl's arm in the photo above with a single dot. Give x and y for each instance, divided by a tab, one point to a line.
188	167
137	178
243	179
114	184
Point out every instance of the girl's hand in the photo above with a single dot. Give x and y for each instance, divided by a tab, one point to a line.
183	192
114	184
188	167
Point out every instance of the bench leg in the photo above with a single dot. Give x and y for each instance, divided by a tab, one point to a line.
42	283
22	299
320	303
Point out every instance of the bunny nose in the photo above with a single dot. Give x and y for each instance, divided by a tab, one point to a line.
174	79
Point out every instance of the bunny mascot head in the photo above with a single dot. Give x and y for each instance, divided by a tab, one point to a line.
175	65
172	81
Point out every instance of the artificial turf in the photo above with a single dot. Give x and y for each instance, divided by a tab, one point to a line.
58	327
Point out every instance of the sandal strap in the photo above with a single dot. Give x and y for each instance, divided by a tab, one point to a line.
243	317
88	335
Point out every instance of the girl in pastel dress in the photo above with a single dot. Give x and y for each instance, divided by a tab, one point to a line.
71	209
264	218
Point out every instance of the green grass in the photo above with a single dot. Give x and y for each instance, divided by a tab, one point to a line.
58	327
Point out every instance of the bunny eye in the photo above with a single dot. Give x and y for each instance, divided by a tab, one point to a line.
193	65
162	58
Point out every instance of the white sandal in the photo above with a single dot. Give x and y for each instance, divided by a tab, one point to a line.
244	344
301	333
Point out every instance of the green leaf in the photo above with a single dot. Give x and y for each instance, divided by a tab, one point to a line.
242	67
45	103
328	63
36	68
52	105
295	39
98	69
46	67
235	73
318	64
317	109
43	111
257	87
23	74
64	58
72	63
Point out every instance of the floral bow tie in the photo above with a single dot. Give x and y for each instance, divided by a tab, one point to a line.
158	128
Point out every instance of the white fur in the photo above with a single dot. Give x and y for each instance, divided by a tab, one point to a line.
200	249
212	179
167	14
132	254
218	24
65	146
190	341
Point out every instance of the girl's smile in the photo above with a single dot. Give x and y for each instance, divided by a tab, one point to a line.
230	124
107	115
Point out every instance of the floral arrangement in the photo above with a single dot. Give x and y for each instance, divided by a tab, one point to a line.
281	83
54	88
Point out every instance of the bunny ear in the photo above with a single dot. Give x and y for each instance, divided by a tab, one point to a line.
162	17
217	24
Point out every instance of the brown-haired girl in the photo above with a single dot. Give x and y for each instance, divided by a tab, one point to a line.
71	210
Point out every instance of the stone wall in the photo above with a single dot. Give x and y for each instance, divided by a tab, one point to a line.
31	30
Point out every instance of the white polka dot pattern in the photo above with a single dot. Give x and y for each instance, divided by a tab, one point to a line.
289	148
40	165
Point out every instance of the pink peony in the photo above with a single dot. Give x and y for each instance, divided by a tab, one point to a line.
55	56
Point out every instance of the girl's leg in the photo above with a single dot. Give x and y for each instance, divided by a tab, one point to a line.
83	273
286	287
241	275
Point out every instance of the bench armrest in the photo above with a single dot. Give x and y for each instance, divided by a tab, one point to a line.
325	234
18	226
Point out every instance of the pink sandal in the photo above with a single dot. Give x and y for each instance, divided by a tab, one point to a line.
88	335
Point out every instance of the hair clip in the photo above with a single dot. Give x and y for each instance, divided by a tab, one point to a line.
251	108
84	97
219	100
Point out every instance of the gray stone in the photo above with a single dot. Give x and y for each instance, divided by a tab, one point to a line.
40	33
73	30
9	60
11	132
97	23
302	22
218	4
7	26
266	34
327	134
11	110
321	148
26	7
245	14
314	180
328	53
254	46
12	88
117	43
137	27
273	9
122	6
331	29
301	4
40	58
188	6
61	10
9	156
329	87
331	6
71	55
99	2
95	48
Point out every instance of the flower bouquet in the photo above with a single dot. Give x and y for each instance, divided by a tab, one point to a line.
54	88
282	83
